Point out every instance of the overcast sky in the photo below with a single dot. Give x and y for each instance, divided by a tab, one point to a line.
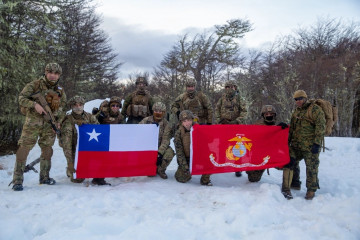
142	31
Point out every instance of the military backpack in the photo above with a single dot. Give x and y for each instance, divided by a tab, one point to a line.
330	112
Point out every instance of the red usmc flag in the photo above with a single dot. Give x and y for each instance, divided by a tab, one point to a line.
231	148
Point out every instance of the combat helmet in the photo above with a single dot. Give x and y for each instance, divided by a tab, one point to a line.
190	82
159	107
268	108
141	80
186	115
76	99
115	99
53	67
300	93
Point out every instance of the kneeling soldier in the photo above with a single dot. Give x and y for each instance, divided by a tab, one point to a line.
165	152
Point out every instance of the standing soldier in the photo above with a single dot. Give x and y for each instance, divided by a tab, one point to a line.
43	101
138	104
268	114
69	135
230	109
165	152
305	139
182	141
109	112
196	102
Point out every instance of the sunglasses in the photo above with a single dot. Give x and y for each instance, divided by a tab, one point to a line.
298	98
115	106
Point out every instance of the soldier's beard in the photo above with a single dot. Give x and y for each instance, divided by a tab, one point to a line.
158	116
191	93
78	110
141	89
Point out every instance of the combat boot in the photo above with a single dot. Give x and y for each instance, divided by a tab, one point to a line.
17	187
48	181
309	195
161	173
205	180
287	178
99	181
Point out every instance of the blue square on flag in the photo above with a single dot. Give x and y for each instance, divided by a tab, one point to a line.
94	137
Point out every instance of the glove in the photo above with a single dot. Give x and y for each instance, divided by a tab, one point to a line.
95	110
157	124
159	159
283	125
178	114
101	117
209	123
315	148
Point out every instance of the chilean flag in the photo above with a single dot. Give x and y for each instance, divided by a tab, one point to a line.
231	148
116	150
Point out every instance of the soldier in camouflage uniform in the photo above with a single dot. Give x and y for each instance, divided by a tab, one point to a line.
165	152
268	118
138	104
182	147
109	112
69	135
305	139
230	109
196	102
36	128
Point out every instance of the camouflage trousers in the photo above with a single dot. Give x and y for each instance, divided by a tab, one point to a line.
167	158
34	130
255	176
312	163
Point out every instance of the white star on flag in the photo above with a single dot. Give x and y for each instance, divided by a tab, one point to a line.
93	135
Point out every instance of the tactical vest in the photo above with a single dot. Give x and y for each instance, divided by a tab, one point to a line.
113	119
195	105
185	137
139	106
230	109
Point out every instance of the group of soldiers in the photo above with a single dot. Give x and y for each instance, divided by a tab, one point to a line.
191	107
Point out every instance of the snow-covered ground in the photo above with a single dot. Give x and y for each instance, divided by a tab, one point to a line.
153	208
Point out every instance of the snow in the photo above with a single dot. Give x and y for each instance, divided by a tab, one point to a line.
153	208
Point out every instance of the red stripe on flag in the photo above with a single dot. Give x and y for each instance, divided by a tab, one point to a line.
116	164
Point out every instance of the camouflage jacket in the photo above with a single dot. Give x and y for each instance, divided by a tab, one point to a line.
165	132
182	147
135	99
303	133
69	133
199	105
112	118
230	110
40	85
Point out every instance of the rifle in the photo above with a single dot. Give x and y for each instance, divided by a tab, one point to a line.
49	116
31	165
